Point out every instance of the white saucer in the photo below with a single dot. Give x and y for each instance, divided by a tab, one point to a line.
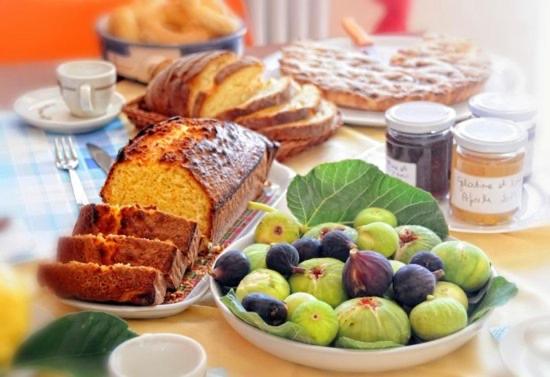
44	108
525	348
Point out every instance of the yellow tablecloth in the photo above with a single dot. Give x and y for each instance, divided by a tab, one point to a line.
522	257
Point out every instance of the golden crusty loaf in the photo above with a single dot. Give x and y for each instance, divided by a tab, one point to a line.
121	283
137	221
114	249
204	170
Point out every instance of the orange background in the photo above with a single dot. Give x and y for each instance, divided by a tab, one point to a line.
53	29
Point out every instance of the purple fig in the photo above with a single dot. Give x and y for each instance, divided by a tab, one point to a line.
412	284
283	258
230	268
431	261
336	244
366	273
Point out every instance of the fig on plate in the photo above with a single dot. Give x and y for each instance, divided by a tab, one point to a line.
375	214
318	319
272	311
230	268
283	258
451	290
295	299
336	244
438	317
276	227
256	255
264	281
396	265
308	248
366	273
412	284
430	261
465	264
414	239
322	278
379	237
373	319
318	231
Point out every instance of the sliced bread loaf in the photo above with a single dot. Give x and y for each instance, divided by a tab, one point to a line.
119	283
138	221
302	105
273	93
113	249
232	85
318	124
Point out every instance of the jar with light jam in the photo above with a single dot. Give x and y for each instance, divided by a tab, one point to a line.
418	144
487	170
518	108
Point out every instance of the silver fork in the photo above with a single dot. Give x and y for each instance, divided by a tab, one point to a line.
66	158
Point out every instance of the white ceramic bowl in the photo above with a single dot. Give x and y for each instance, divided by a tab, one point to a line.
160	355
338	359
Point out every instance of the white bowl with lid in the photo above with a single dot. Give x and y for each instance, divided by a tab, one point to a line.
159	355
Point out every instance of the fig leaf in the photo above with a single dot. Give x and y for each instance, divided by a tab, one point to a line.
288	330
78	344
337	191
345	342
498	293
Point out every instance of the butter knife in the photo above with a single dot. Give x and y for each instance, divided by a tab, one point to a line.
100	156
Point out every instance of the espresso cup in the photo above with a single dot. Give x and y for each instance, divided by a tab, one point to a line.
87	86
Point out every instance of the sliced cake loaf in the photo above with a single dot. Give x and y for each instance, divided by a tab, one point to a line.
138	221
116	283
203	170
114	249
302	105
233	85
318	124
175	89
274	92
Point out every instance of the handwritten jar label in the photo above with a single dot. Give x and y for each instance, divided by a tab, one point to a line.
486	195
405	171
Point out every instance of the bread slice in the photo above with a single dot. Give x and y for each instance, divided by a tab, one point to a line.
318	124
290	148
118	283
113	249
142	222
175	89
301	106
204	170
234	84
274	92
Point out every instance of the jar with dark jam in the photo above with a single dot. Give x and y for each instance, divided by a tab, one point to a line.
418	145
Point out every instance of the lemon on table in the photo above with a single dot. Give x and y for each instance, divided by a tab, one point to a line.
15	313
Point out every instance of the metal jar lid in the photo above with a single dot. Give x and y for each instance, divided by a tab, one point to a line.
490	135
515	107
420	117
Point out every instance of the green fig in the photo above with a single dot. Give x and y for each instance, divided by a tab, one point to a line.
379	237
318	319
438	317
263	281
451	290
295	299
414	239
256	255
375	214
275	226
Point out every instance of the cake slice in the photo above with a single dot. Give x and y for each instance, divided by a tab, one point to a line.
318	124
118	283
114	249
143	222
233	85
302	105
274	92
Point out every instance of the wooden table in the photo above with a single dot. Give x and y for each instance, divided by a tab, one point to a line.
523	257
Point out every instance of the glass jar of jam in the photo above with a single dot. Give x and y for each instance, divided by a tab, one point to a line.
520	109
487	170
418	144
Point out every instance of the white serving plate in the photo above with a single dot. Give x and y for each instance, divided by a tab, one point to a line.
279	178
44	108
506	75
535	207
343	360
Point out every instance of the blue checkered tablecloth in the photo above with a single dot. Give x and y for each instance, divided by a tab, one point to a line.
34	194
